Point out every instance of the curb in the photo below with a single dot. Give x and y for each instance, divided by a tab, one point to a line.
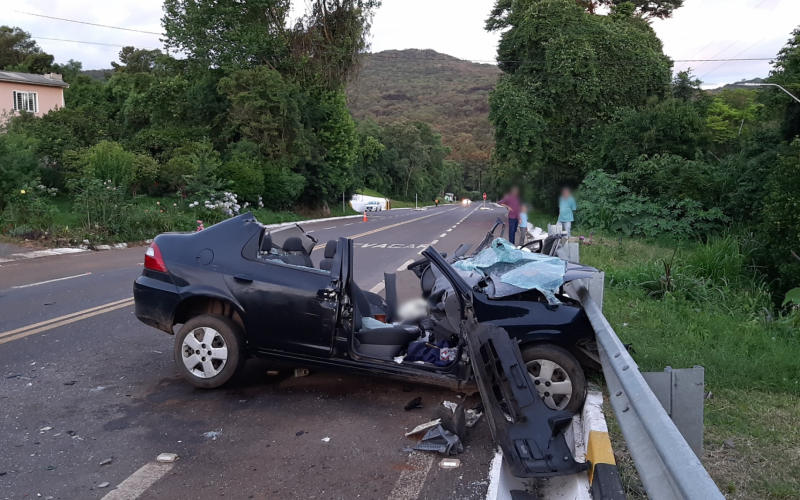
589	440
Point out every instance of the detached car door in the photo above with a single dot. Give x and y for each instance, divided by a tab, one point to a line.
286	307
530	434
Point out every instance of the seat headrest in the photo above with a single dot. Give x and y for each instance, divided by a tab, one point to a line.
293	244
266	243
330	249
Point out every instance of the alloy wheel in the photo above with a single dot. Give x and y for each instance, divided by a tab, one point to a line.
204	352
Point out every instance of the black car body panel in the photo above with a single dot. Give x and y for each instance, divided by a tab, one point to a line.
532	437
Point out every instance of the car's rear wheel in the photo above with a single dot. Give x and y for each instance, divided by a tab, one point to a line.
209	350
557	376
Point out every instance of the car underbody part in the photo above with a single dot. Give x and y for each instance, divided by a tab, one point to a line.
532	437
441	440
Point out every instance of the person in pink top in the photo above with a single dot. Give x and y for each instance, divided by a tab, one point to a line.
511	202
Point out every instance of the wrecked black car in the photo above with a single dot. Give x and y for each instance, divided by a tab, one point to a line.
522	292
237	293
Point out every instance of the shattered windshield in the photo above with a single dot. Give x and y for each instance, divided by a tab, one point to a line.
505	264
281	234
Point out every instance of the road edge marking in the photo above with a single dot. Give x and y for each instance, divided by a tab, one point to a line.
139	482
60	318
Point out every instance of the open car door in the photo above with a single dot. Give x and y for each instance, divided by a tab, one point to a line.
530	434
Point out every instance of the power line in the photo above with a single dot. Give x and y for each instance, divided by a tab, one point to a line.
92	43
90	24
726	62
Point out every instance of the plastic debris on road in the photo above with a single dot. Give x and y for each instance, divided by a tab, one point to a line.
326	439
167	458
424	427
450	463
413	404
438	439
506	264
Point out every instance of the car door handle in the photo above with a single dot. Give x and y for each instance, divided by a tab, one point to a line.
243	279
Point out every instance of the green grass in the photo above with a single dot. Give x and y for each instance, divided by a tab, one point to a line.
713	310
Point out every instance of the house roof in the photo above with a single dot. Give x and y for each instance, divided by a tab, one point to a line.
31	79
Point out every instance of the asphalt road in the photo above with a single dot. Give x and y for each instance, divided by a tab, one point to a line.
92	383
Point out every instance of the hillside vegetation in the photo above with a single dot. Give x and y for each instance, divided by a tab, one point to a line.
450	94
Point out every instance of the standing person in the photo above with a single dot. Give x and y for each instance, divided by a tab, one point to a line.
523	224
566	207
437	202
511	202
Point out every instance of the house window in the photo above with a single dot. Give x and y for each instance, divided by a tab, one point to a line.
26	101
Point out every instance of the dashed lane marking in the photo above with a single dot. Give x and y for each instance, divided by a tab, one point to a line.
377	288
410	482
405	265
51	281
139	482
442	235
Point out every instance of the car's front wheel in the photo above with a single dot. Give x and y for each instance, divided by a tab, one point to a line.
209	350
557	376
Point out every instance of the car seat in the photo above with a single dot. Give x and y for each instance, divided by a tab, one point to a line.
326	264
300	257
266	245
380	342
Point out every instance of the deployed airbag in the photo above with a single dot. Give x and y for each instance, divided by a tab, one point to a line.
504	263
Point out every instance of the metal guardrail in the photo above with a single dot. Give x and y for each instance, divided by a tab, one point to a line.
667	466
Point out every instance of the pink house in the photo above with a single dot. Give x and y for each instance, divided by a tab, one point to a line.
37	94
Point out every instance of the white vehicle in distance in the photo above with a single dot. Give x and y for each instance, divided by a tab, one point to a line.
466	201
361	203
374	206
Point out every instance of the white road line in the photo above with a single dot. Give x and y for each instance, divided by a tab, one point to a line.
350	224
442	235
410	482
326	228
139	482
377	288
51	281
403	267
449	230
434	242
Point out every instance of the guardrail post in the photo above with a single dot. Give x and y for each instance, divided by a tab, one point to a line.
680	392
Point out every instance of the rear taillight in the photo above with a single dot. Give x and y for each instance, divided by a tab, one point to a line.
153	259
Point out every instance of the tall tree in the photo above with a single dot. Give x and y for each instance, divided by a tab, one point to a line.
18	51
565	72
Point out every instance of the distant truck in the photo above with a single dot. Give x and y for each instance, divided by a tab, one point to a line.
361	203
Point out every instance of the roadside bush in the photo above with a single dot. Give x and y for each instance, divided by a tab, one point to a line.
30	209
608	204
18	163
109	161
247	178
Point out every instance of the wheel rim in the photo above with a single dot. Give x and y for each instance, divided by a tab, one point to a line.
552	382
204	352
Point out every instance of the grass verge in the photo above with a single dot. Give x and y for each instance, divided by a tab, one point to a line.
685	304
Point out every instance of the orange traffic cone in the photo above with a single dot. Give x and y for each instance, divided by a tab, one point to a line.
365	216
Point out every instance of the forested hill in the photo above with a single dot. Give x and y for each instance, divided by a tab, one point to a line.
449	93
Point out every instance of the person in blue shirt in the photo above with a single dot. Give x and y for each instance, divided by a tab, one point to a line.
566	207
523	223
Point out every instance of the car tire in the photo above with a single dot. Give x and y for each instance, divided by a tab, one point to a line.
549	365
213	337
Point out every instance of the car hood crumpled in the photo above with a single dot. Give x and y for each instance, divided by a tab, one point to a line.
507	265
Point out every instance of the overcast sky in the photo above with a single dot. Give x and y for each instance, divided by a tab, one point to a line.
702	29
